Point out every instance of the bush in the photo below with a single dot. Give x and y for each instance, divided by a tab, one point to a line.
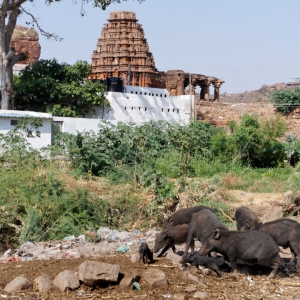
286	101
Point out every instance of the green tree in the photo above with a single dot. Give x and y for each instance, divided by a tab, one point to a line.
61	89
286	101
10	10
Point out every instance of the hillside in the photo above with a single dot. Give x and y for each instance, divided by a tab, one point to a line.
263	94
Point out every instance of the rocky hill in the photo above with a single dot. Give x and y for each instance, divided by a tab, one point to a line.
263	94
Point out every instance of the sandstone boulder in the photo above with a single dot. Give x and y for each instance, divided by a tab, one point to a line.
20	283
42	283
66	280
155	278
93	273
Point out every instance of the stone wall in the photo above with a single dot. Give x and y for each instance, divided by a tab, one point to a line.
219	113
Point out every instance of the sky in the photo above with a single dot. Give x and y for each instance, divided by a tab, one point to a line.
247	43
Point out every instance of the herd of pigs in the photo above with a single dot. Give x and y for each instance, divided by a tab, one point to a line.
252	242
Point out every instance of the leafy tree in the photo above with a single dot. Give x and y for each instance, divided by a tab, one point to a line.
61	89
286	101
10	10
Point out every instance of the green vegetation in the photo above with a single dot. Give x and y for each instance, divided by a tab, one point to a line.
60	89
286	101
132	176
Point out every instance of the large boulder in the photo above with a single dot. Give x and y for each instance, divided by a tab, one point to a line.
94	273
66	280
20	283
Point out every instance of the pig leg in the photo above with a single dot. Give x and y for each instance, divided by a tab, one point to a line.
174	249
189	241
215	268
163	251
274	266
294	246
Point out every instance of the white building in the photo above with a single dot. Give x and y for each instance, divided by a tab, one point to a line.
8	119
142	104
135	104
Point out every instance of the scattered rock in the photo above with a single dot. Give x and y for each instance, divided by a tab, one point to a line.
190	289
201	295
84	252
174	258
42	283
93	273
134	258
127	281
66	279
155	277
191	277
20	283
180	296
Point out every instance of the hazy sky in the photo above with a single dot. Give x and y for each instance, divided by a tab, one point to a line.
247	43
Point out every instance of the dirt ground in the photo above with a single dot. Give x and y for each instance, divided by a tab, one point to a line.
284	286
250	283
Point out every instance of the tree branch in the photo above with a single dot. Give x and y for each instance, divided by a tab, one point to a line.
43	32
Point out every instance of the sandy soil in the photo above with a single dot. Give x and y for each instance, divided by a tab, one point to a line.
227	287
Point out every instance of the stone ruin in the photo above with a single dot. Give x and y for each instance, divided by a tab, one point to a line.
26	40
123	51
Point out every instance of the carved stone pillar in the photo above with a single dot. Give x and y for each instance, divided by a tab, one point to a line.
192	87
204	94
217	86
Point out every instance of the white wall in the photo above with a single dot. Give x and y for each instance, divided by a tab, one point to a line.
74	125
35	142
127	107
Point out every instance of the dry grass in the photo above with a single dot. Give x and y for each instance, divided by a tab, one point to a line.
231	181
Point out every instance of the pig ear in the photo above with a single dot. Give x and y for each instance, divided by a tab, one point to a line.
165	236
216	235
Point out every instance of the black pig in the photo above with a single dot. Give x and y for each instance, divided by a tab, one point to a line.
182	216
209	262
170	237
286	233
202	225
246	219
249	246
145	253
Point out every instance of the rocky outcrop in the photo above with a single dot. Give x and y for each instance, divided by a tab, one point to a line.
26	40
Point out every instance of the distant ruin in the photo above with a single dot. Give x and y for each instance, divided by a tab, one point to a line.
123	51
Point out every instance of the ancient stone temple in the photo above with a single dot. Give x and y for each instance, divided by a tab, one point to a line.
123	51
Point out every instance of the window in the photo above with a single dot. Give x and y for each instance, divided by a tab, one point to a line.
156	95
145	108
139	108
131	92
178	111
161	95
13	122
162	109
173	109
125	107
141	93
165	96
136	92
145	93
131	108
168	109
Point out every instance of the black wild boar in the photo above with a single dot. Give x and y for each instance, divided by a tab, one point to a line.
286	233
249	246
203	223
183	216
145	253
170	237
209	262
246	219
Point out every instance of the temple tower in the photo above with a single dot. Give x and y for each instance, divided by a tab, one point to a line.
123	51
